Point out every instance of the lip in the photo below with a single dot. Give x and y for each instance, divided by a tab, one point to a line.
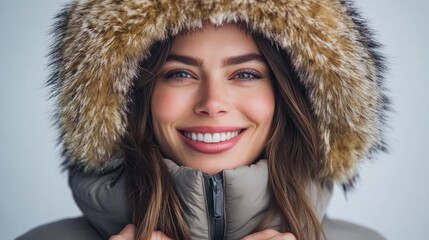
211	148
211	129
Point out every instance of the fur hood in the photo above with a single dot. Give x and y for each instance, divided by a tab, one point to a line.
98	46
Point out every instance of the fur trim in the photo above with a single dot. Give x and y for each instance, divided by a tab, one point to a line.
99	44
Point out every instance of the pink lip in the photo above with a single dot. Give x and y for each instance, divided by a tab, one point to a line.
211	148
211	129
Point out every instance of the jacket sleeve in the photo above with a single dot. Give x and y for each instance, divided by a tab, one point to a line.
102	199
339	230
65	229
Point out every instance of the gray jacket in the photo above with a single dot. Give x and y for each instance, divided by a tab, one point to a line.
244	194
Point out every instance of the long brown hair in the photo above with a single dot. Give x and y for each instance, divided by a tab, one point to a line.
292	151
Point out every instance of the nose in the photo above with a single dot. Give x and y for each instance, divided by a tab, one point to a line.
213	100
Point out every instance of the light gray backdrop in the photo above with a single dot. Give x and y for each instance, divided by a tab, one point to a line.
391	197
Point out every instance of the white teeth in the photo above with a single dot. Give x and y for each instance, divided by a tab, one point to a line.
200	137
228	136
207	137
222	137
210	137
216	137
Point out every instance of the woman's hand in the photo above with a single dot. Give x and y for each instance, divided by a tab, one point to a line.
128	233
269	234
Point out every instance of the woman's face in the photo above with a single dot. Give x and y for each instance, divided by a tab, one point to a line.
213	102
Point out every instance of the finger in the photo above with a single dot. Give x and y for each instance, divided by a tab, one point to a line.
262	235
117	237
158	235
126	234
283	236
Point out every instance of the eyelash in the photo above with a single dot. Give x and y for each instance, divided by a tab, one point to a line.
254	75
171	74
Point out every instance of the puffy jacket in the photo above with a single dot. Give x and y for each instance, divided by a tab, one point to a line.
95	58
244	196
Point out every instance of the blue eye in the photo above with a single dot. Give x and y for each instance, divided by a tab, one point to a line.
248	74
245	75
178	74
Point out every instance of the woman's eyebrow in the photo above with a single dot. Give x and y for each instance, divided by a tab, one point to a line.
185	59
243	58
227	62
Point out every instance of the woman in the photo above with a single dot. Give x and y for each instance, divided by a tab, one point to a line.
221	119
219	92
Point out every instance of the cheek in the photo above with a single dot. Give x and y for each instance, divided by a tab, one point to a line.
166	106
260	107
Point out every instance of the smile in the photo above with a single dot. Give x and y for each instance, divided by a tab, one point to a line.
211	140
211	137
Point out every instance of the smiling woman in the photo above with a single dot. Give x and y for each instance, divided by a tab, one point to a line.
217	88
212	120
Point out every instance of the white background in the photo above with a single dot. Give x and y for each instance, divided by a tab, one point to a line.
392	195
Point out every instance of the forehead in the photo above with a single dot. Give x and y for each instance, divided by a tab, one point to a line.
229	39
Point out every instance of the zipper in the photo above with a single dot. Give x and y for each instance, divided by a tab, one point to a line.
214	198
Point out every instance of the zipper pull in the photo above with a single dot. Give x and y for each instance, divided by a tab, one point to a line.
217	185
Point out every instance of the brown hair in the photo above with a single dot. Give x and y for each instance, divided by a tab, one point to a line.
292	151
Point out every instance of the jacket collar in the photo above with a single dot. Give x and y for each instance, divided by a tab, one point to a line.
247	198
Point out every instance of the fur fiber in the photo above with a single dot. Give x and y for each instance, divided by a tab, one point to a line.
99	44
